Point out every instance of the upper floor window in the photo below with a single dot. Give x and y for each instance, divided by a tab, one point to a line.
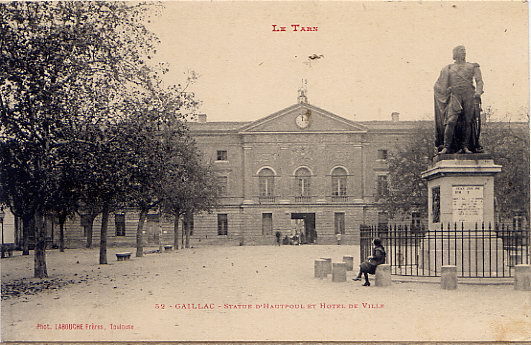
381	186
221	155
222	185
382	154
303	175
339	182
266	180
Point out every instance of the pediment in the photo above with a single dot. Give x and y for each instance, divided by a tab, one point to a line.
318	120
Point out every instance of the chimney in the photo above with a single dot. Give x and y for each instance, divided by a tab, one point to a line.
395	117
201	118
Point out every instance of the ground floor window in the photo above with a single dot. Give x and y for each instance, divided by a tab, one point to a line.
119	224
339	222
415	221
267	223
223	224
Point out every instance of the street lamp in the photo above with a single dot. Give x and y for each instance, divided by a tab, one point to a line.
2	215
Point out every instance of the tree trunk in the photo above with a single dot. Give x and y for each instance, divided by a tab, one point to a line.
62	235
182	236
40	247
187	229
90	230
103	234
176	232
62	220
27	229
139	232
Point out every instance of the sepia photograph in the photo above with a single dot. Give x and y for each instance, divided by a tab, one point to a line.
265	171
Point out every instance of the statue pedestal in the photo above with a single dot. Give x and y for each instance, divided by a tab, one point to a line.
461	215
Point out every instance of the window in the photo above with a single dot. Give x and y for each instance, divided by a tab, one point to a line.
303	181
223	224
383	222
221	155
415	221
188	221
267	223
518	220
382	154
222	184
339	182
381	186
119	224
339	222
266	181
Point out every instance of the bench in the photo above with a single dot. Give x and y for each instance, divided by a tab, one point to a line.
168	248
123	256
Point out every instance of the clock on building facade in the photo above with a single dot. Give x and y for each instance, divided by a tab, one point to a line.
303	119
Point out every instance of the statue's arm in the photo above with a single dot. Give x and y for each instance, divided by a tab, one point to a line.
479	80
441	86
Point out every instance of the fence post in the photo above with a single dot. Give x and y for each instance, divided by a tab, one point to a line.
349	260
383	275
320	268
339	272
522	277
328	265
448	277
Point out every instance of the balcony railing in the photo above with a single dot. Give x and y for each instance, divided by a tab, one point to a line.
303	198
340	198
266	199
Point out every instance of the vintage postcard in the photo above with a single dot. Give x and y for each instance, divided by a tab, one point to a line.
265	172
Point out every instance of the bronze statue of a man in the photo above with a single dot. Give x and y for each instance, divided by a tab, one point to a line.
458	106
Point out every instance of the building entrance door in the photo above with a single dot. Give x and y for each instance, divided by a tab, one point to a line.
308	226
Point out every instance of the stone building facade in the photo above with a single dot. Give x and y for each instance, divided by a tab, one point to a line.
301	169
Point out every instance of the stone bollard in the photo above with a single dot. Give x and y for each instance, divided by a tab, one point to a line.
328	265
320	268
383	275
349	260
448	277
339	272
522	277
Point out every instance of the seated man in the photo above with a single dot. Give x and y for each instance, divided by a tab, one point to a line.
369	266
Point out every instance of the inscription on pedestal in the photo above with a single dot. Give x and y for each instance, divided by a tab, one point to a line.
467	204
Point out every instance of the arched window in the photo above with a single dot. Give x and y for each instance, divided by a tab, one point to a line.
266	181
339	183
303	176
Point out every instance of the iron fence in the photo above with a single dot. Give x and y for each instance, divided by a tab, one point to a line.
478	251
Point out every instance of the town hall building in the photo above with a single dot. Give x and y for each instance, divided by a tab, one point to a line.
301	169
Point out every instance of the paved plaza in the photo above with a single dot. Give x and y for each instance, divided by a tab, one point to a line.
245	293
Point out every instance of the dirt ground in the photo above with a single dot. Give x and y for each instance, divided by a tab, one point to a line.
261	293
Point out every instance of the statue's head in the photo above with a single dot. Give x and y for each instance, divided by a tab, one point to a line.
459	52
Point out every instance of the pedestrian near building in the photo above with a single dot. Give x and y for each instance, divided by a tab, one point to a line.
369	266
277	235
338	238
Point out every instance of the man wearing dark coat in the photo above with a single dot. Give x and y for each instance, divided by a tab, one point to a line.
457	106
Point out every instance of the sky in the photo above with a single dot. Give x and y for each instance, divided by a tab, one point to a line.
378	57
